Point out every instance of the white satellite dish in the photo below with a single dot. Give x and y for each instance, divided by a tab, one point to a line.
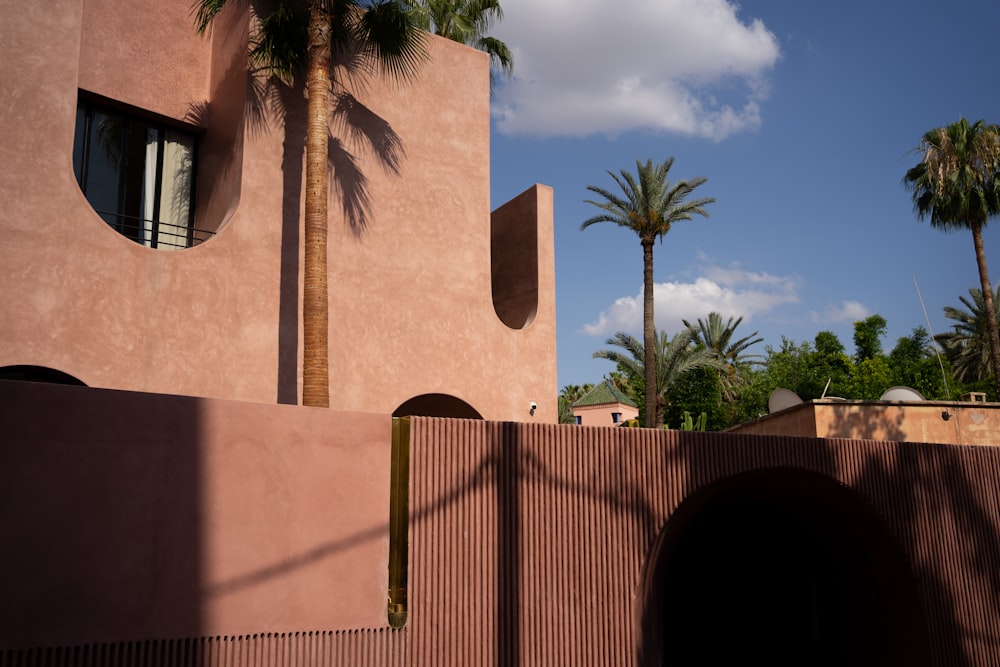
782	399
902	394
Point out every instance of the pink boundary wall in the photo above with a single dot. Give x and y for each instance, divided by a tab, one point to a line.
154	521
130	516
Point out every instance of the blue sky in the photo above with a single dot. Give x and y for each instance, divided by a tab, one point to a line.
803	116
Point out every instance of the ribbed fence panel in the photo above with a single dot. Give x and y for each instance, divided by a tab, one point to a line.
529	543
380	647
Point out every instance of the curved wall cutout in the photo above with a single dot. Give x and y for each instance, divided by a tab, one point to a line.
159	164
780	567
514	260
38	374
436	405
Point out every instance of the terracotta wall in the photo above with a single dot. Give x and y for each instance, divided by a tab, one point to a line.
131	517
412	308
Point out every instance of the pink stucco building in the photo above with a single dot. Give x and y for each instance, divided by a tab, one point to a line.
167	258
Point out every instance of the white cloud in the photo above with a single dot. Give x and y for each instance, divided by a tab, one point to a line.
595	66
847	311
730	291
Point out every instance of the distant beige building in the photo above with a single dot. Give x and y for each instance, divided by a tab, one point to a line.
947	422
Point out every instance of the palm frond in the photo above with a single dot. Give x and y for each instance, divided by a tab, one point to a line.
648	203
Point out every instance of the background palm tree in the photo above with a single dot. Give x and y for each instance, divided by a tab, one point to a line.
957	186
649	205
569	395
466	22
301	38
718	338
967	347
672	358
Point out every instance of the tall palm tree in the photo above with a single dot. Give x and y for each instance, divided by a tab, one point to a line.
466	22
718	338
956	185
649	205
967	347
295	38
672	358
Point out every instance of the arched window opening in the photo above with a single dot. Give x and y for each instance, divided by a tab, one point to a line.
138	174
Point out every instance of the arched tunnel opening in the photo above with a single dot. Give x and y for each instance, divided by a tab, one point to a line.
780	567
436	405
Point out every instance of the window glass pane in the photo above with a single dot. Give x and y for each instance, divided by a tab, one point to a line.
79	138
103	159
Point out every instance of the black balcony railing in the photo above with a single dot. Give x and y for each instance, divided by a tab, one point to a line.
156	233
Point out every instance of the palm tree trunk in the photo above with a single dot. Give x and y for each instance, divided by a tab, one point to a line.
649	337
315	303
991	313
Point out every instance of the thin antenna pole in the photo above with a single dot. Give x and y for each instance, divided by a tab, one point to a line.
931	332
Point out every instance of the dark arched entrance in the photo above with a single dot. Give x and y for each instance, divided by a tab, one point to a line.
436	405
780	567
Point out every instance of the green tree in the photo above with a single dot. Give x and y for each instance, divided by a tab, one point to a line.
672	358
914	363
719	339
299	39
649	205
697	392
831	366
466	22
809	370
869	379
967	346
868	335
956	185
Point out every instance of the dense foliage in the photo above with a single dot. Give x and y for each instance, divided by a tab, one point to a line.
730	384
